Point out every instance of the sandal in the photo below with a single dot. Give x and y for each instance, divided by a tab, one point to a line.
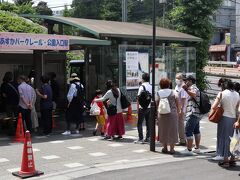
224	164
164	151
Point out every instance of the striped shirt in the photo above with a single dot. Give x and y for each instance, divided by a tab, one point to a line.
192	107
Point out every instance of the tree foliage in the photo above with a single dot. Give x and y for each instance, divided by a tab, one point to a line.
111	10
22	2
43	9
193	17
18	9
89	9
10	22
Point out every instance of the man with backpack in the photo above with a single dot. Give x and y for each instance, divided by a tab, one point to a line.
75	106
143	107
193	116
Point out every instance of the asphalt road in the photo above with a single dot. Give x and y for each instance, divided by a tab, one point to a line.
196	169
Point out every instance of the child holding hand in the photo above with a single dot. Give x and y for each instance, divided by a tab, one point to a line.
100	124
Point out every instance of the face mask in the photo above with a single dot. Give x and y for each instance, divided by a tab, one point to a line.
178	82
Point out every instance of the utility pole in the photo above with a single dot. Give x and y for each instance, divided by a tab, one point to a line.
124	10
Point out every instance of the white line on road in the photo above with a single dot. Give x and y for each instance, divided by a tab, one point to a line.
3	160
50	157
13	169
75	147
115	145
56	142
73	165
139	151
122	161
97	154
93	139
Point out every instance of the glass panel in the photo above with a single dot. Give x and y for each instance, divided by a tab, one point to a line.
169	61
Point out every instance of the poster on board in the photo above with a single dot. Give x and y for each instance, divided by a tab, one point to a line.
132	77
143	64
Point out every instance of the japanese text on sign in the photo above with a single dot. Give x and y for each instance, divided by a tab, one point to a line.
33	41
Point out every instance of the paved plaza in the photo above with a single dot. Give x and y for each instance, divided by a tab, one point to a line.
78	155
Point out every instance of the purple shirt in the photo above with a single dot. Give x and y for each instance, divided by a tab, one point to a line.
26	93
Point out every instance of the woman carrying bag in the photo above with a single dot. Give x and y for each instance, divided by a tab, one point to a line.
115	122
229	100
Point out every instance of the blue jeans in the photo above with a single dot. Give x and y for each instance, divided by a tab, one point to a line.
192	126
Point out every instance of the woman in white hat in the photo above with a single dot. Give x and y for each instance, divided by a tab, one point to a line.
75	105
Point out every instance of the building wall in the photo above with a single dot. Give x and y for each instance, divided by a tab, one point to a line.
238	22
225	21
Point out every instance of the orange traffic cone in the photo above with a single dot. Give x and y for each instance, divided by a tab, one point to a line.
19	137
129	114
28	166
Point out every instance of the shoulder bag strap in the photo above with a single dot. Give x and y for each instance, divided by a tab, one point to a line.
196	100
220	100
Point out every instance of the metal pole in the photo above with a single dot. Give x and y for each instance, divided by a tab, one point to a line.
163	14
124	10
153	105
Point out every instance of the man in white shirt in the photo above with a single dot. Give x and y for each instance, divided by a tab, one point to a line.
143	113
182	96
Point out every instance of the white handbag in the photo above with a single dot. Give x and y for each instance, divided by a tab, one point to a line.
95	110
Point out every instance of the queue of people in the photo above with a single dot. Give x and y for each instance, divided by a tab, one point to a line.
20	97
178	111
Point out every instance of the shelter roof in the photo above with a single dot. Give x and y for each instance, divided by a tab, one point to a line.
102	29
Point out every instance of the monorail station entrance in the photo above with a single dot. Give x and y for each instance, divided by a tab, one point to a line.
34	55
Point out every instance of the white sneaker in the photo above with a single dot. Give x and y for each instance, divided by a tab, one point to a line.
218	158
197	151
77	131
187	152
66	133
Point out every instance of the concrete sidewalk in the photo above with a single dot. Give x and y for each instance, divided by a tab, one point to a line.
78	155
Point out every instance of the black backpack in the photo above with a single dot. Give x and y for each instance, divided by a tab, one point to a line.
80	93
205	104
144	98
